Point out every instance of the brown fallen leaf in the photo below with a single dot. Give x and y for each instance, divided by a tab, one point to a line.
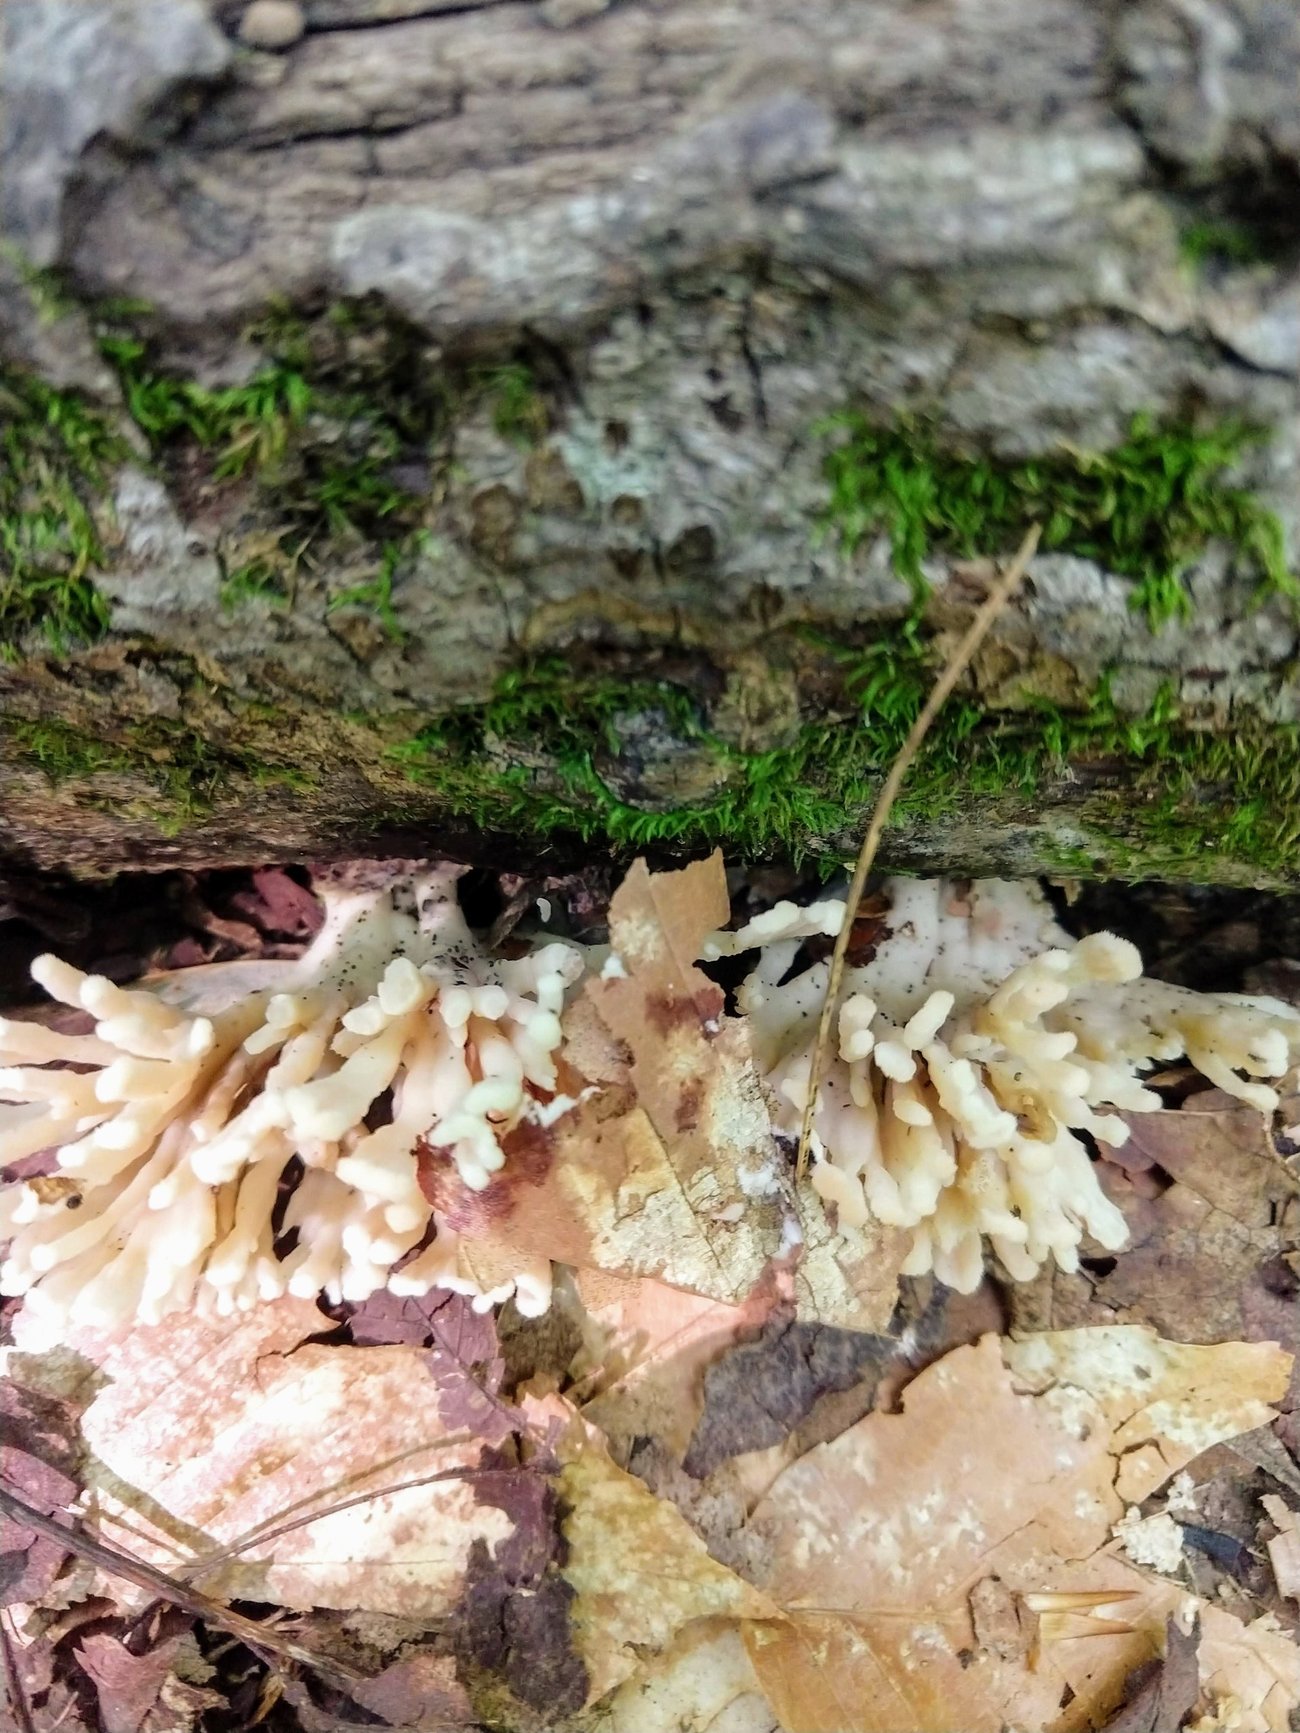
1162	1403
694	1075
38	1460
34	1699
514	1619
420	1695
875	1542
648	1353
758	1394
1197	1247
1161	1693
127	1686
704	1682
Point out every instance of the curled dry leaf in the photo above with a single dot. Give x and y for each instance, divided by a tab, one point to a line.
877	1542
202	1433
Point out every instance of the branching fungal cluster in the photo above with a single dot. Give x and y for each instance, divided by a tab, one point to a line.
972	1049
177	1118
220	1136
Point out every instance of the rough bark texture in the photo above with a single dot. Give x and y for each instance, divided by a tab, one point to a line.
609	266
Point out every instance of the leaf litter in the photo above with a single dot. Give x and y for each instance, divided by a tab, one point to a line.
741	1479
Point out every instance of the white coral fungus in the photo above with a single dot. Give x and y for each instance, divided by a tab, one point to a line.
175	1120
972	1048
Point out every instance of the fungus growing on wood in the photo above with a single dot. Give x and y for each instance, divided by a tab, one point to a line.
176	1117
973	1048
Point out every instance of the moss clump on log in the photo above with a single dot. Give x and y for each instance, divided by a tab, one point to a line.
322	435
1185	790
1146	508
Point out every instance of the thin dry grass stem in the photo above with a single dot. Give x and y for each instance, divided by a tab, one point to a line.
957	664
272	1531
166	1588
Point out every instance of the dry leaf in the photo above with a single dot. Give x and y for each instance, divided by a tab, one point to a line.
38	1462
1204	1252
127	1686
877	1541
854	1286
667	1169
1284	1548
639	1570
649	1349
703	1683
203	1432
420	1695
758	1394
1163	1402
1160	1695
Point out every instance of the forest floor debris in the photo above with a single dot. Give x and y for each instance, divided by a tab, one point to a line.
724	1485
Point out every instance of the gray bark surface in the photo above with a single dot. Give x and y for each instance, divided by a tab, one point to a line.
715	223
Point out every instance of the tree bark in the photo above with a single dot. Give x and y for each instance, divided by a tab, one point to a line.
572	288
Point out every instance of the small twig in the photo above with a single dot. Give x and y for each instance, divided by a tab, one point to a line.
166	1588
14	1680
956	667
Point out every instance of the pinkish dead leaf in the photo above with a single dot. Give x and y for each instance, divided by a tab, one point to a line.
278	905
203	1434
462	1356
32	1696
38	1462
420	1694
1200	1248
127	1686
648	1352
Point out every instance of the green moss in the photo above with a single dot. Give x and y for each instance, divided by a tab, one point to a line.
255	580
187	769
1146	508
1209	240
376	596
244	426
56	460
527	762
58	750
517	407
45	287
